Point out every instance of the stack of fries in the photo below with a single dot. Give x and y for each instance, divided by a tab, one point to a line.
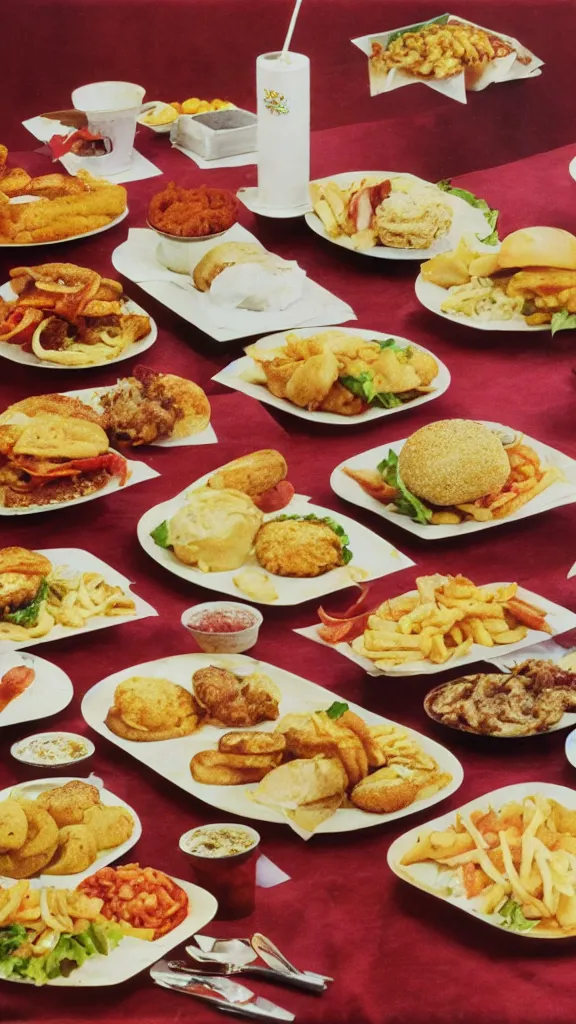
520	860
527	479
443	619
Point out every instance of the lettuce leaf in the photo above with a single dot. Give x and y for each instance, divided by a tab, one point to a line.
563	321
363	387
490	215
337	709
28	615
338	530
10	938
160	535
406	502
70	952
513	918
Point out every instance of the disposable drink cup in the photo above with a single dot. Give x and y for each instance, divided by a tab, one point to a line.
112	109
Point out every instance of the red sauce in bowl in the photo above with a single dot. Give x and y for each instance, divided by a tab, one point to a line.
222	621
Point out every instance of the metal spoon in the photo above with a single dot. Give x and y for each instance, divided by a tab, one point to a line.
216	967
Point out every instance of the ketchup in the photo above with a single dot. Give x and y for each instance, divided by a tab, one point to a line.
222	622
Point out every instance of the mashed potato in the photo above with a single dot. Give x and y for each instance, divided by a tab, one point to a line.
413	219
215	530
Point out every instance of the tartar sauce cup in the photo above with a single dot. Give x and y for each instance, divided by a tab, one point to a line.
223	860
223	627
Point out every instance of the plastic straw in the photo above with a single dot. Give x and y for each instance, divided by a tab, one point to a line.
291	28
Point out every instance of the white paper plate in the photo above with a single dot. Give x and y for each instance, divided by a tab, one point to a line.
432	296
137	473
132	956
136	259
467	220
91	397
556	495
15	353
30	790
49	692
370	552
424	876
232	377
559	619
171	758
72	238
76	560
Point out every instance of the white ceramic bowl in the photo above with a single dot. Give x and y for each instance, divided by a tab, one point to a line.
223	643
26	756
251	832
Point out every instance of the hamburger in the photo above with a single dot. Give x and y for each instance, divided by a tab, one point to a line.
535	268
445	465
53	449
23	585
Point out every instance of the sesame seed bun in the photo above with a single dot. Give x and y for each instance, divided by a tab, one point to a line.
453	461
538	247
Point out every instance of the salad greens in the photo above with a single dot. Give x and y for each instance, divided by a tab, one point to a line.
160	535
363	387
513	918
337	709
70	952
562	321
28	615
490	215
338	530
406	502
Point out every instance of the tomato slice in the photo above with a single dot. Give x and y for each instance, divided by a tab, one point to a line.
275	498
332	618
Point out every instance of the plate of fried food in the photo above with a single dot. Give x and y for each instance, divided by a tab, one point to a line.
31	688
258	741
66	828
54	452
242	531
455	477
59	315
113	925
60	592
160	116
341	376
506	858
229	288
446	53
447	621
150	408
535	697
392	216
529	284
55	207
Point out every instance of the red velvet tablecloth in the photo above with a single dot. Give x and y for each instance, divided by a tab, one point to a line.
207	48
397	955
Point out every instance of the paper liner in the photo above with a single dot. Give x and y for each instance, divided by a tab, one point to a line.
521	63
76	560
136	259
560	620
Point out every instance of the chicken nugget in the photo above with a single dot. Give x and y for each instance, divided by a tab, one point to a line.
67	804
13	826
77	849
110	826
245	742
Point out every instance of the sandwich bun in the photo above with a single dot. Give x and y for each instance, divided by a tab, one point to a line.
538	247
228	254
52	436
253	474
453	461
189	400
59	405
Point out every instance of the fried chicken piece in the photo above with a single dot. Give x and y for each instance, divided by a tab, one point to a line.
394	374
16	182
341	401
312	380
371	482
278	372
298	548
236	701
425	365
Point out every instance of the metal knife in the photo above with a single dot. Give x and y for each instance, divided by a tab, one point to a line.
224	994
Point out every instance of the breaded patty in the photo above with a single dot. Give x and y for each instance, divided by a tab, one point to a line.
295	547
17	589
110	826
67	804
146	708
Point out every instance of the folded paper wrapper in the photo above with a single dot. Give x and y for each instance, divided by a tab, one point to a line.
43	128
520	64
136	259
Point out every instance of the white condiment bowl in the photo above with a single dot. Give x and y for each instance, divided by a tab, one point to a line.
223	643
156	105
179	254
193	854
29	758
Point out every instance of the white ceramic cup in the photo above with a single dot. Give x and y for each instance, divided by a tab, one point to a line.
112	110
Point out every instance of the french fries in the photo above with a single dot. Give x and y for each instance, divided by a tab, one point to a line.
444	619
438	51
517	861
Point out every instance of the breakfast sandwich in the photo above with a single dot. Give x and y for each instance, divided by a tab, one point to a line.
53	449
152	406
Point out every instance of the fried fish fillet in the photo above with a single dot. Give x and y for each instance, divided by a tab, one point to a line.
60	218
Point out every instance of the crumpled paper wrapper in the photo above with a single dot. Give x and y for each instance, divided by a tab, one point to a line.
522	63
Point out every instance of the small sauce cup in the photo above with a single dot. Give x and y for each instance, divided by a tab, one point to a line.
223	627
52	749
223	861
